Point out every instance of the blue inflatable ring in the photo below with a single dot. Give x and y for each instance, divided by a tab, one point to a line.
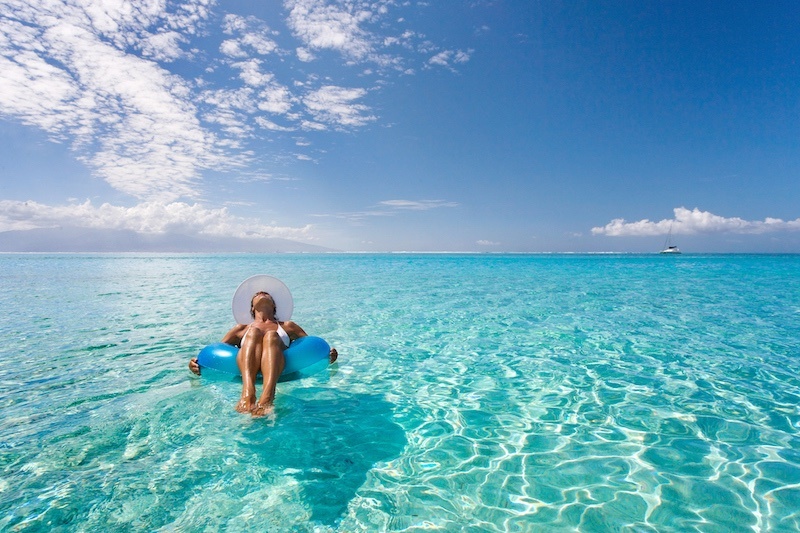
304	357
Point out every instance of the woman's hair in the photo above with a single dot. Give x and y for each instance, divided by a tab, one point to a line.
253	311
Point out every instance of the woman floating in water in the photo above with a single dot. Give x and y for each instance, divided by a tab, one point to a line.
262	337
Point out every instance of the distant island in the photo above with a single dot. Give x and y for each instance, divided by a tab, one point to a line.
73	239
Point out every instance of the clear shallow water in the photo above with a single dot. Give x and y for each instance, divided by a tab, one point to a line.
473	393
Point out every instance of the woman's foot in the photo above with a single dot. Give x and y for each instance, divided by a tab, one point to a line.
246	404
263	409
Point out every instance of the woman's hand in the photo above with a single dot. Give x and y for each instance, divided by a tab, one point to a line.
194	366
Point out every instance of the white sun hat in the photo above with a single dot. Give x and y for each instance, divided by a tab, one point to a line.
243	297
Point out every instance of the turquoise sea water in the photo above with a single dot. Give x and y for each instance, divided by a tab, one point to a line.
473	393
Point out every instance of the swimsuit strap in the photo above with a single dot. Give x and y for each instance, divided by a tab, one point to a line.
284	336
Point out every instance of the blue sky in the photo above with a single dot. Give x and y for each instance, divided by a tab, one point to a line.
398	125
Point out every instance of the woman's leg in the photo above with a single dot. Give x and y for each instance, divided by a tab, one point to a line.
272	363
249	361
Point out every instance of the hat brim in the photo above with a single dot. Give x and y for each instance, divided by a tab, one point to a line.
243	297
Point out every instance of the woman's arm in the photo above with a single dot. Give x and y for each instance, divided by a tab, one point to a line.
294	331
234	336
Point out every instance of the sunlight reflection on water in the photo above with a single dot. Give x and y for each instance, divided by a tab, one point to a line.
485	393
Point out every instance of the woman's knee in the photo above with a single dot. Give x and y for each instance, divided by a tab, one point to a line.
272	338
253	336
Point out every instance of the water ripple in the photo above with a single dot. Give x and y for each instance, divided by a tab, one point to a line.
474	393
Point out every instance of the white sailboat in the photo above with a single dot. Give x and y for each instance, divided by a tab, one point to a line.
669	248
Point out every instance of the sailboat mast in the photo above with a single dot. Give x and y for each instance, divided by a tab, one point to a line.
668	242
668	247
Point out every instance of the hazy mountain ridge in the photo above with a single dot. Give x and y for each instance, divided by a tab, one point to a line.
72	239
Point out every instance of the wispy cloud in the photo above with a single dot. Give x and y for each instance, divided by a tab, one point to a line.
100	76
65	69
388	208
688	222
416	205
450	58
147	217
335	105
357	29
129	87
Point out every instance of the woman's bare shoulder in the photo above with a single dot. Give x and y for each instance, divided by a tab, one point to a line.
293	327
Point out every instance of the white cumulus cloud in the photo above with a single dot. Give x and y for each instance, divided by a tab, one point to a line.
336	26
447	58
251	35
147	217
688	222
